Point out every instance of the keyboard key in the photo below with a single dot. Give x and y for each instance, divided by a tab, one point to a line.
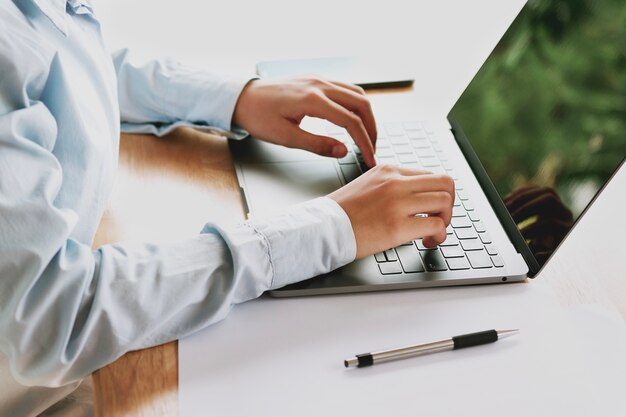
451	240
437	146
384	152
407	159
420	143
458	185
427	128
466	233
391	255
410	259
407	243
468	206
348	159
497	261
389	160
449	230
383	144
491	249
394	129
456	264
471	245
457	202
479	259
412	126
402	149
473	215
452	252
437	170
389	268
485	237
350	172
461	222
416	134
399	140
462	195
361	163
420	245
433	261
480	227
458	211
414	165
380	257
430	162
425	152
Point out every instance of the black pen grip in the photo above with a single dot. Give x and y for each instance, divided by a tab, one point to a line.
365	359
475	339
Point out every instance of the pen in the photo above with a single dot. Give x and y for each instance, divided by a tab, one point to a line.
456	342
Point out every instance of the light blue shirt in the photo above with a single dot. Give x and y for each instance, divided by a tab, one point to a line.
65	309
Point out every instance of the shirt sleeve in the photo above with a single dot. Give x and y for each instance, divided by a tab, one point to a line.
67	310
161	95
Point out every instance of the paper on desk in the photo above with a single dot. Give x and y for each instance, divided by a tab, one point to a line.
284	357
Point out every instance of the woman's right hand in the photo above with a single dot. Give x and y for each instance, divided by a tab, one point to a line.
382	205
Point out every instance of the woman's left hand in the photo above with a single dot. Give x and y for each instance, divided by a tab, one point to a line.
272	110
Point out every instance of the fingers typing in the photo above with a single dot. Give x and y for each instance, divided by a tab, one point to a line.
323	107
321	145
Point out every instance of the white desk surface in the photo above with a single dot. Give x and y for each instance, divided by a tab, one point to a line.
283	357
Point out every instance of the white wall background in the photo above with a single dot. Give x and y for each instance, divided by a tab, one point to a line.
443	41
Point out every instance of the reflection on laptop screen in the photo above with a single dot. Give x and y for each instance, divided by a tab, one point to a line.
546	113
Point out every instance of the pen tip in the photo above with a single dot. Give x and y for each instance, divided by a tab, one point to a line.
506	333
351	362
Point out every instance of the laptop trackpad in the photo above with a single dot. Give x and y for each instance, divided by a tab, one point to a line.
271	186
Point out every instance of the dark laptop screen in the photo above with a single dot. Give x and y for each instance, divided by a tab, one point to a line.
546	113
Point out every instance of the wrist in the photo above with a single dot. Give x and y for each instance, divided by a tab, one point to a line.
242	103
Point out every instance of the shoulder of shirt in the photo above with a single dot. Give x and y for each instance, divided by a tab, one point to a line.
25	57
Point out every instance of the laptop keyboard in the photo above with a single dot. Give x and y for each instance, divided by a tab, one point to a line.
468	245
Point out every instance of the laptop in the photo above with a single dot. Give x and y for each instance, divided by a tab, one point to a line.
530	143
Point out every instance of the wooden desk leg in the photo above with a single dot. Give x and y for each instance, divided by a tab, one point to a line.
131	387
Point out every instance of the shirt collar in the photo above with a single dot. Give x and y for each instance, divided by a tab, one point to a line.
55	11
81	6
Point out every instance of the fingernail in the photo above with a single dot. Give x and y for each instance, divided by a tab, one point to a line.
339	151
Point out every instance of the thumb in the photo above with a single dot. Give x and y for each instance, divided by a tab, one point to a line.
321	145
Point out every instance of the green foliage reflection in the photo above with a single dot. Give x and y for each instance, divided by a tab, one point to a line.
549	105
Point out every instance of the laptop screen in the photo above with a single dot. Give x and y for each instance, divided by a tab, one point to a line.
546	113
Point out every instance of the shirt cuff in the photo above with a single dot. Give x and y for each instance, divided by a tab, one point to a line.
306	240
216	100
162	129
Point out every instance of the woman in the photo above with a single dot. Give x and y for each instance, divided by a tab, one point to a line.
67	310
